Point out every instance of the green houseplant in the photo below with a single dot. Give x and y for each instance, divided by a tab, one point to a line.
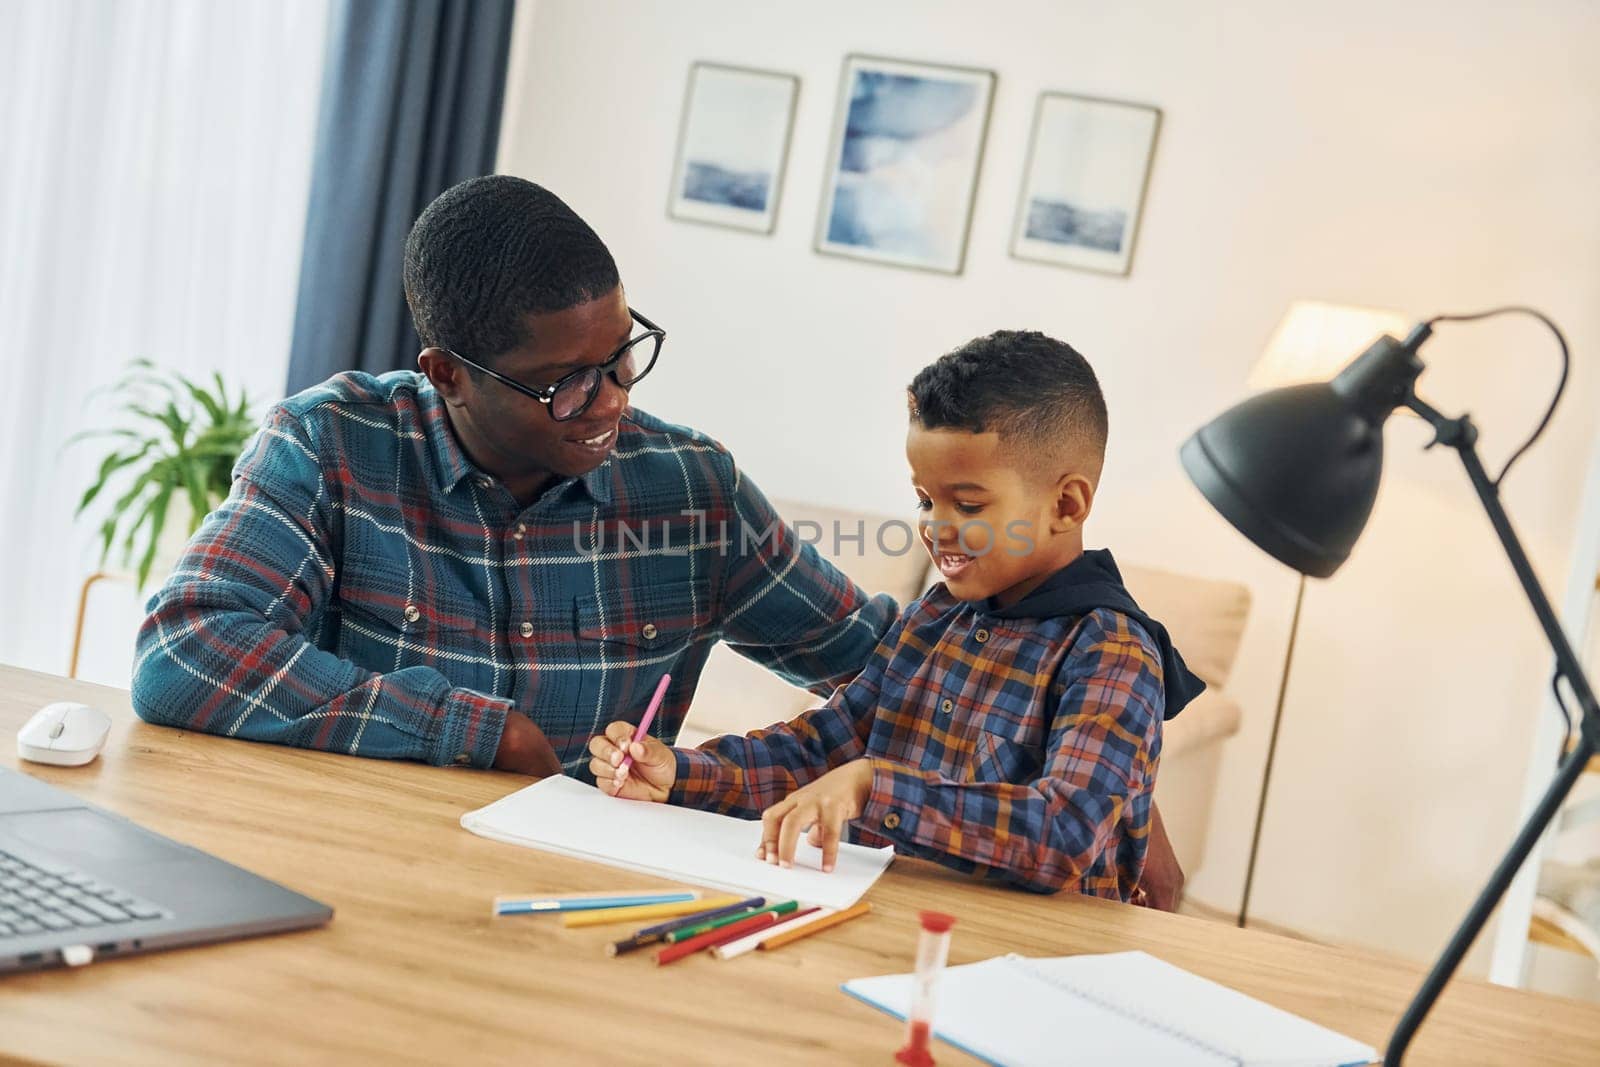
179	444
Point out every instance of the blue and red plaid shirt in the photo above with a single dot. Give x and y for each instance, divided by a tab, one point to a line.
365	589
1024	749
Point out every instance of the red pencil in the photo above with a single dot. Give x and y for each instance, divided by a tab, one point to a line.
715	937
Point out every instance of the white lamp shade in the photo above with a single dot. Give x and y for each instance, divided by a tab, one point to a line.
1315	341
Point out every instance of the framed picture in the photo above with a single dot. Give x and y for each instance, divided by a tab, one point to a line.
732	146
1084	185
903	162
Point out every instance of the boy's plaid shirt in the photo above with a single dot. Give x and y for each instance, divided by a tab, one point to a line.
365	589
1024	749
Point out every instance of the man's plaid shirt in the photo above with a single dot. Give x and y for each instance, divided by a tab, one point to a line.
365	589
1024	749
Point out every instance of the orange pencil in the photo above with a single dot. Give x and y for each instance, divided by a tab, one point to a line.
781	939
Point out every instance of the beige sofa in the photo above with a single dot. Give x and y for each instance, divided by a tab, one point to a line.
1206	619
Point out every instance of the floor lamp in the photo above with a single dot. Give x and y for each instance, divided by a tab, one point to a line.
1312	342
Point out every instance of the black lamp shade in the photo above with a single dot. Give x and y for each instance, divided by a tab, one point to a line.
1296	470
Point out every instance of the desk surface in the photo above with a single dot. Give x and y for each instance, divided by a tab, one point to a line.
414	969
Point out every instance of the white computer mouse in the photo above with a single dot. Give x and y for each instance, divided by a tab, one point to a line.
65	734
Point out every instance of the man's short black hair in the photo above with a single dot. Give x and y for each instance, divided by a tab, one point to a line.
491	251
1036	392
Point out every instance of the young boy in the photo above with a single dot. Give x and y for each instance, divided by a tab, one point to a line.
1010	721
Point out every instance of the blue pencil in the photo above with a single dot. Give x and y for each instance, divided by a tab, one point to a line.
535	905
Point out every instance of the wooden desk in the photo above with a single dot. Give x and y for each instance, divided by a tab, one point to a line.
413	969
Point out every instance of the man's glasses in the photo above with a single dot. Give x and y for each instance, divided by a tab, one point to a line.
571	395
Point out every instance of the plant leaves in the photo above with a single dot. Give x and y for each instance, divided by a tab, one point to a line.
85	435
158	521
109	466
195	484
119	510
201	437
212	408
108	533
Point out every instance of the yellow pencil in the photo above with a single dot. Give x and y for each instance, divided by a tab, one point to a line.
608	916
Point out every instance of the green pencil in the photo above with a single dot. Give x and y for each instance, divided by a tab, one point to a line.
712	924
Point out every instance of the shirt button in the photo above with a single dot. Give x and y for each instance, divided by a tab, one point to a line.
521	532
527	629
463	759
649	631
981	636
947	705
485	483
411	613
891	821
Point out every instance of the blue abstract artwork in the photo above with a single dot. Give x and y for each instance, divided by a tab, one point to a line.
732	146
1064	224
1084	187
712	184
907	146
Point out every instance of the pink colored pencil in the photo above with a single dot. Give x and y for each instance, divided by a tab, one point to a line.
644	724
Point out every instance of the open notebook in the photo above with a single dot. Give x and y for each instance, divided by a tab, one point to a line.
1127	1007
683	844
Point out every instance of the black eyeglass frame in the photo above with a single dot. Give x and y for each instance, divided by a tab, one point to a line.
599	371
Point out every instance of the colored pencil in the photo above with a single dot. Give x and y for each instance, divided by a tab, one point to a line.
589	901
612	916
644	724
789	936
716	924
733	932
655	935
712	913
729	950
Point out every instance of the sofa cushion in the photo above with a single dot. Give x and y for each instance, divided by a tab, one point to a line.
1205	617
1211	716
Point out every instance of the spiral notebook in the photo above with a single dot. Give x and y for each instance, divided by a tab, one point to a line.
1127	1007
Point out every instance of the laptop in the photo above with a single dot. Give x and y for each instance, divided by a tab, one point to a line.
79	884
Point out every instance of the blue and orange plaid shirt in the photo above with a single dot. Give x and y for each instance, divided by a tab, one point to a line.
365	589
1022	749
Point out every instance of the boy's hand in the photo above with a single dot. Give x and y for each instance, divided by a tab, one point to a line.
648	777
823	807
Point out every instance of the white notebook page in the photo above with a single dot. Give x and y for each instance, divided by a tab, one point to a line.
686	845
1250	1031
1001	1016
1122	1008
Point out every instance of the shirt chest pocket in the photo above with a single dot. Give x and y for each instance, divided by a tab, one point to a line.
384	626
628	638
1003	740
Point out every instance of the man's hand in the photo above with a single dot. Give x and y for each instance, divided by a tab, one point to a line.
648	777
524	749
823	807
1162	881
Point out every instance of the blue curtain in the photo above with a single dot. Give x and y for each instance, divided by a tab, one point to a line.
411	100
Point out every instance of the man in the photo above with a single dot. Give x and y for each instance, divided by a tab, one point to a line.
484	563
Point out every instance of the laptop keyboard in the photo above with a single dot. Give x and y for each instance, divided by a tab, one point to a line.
37	898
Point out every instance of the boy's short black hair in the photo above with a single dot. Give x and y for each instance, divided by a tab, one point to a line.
491	251
1036	392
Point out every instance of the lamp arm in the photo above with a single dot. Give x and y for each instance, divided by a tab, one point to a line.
1461	435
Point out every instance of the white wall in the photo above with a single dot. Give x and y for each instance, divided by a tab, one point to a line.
1426	156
